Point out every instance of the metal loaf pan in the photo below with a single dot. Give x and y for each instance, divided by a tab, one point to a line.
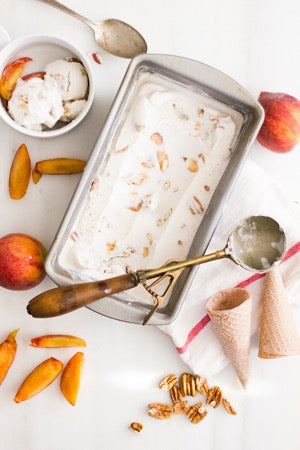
197	77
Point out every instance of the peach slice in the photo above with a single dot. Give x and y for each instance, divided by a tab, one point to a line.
8	350
34	75
10	75
57	340
71	376
19	173
43	375
60	166
36	175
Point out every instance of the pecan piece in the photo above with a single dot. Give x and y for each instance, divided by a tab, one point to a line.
163	160
193	165
160	410
196	413
214	397
193	386
229	408
181	407
156	138
136	427
183	384
201	385
188	384
175	394
168	382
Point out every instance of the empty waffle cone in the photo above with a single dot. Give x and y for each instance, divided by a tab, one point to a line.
278	332
230	313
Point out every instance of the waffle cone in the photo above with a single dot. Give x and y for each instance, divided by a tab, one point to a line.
278	331
230	313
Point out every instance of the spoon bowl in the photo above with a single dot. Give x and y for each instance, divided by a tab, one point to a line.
257	243
119	38
113	35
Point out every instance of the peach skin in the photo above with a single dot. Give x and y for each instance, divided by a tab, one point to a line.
8	350
57	340
10	75
19	173
34	75
43	375
71	376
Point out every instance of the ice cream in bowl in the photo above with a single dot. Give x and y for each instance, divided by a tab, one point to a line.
46	86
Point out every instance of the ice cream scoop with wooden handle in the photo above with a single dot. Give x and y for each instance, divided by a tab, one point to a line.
65	299
250	245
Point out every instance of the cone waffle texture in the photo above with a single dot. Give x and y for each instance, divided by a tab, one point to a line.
278	332
230	313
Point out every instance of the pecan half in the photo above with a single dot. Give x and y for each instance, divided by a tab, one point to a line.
136	427
183	384
201	385
175	394
214	397
229	408
181	407
193	386
196	413
160	410
168	382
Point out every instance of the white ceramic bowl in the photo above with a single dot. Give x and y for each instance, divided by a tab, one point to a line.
43	50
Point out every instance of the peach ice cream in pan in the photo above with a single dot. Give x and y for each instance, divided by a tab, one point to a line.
146	204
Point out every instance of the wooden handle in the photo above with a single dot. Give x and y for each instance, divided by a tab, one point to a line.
62	300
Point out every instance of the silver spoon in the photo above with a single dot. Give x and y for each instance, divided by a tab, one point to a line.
256	244
114	36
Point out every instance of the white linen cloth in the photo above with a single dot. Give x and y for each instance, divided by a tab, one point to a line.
192	332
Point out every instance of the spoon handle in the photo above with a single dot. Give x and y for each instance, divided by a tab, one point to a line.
62	300
67	10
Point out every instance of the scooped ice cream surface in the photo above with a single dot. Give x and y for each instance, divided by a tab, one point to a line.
70	77
35	103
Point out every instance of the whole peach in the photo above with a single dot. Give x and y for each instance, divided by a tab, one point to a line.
280	131
21	261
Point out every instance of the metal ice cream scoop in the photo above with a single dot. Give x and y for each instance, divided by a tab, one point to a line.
114	36
257	243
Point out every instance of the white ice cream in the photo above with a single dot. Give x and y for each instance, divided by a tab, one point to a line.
146	205
36	103
72	110
70	77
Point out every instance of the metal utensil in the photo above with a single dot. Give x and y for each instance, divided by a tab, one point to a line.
114	36
256	244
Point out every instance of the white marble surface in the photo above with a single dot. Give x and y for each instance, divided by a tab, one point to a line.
257	43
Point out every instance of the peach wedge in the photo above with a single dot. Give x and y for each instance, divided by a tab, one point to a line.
57	340
43	375
19	173
60	166
71	376
10	75
8	350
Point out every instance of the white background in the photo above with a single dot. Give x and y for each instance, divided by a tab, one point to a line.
257	43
